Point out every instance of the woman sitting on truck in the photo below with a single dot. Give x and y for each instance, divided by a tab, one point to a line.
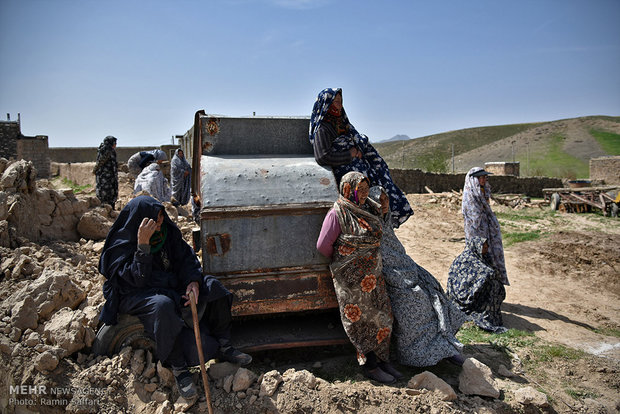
338	144
426	321
150	272
351	236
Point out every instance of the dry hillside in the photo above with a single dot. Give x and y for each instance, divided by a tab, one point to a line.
558	149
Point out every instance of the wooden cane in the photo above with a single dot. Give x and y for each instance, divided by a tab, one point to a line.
201	357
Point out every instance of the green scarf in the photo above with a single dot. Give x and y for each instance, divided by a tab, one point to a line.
158	238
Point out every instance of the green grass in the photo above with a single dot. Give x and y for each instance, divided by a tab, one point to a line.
555	162
547	353
76	188
581	394
471	334
609	141
516	216
511	238
608	332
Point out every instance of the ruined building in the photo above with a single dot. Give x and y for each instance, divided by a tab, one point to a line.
15	145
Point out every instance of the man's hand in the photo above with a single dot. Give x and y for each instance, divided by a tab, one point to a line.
146	230
192	287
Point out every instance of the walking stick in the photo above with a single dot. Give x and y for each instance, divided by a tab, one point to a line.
201	357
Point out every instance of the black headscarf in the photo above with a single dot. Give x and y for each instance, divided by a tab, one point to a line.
122	243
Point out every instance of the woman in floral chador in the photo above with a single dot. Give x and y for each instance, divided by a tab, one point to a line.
351	236
426	321
106	172
475	285
337	144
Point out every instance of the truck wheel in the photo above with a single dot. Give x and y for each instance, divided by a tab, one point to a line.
614	209
555	201
129	331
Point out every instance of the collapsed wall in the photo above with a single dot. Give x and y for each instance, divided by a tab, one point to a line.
28	212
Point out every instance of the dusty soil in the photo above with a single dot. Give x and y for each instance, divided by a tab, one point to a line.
564	289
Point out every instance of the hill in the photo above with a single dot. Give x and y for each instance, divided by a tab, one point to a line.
398	137
560	148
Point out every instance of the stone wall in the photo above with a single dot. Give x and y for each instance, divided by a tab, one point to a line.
414	181
502	168
9	132
606	169
35	149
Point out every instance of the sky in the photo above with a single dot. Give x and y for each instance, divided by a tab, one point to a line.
79	70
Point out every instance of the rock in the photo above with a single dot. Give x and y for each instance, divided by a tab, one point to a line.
227	385
477	379
303	377
165	375
182	405
222	370
93	225
50	292
504	372
19	175
24	315
15	334
150	368
159	396
530	396
67	330
165	408
137	362
428	380
269	384
98	247
33	339
5	345
5	240
150	387
46	361
243	379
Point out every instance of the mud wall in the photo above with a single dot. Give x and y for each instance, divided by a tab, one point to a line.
414	181
89	154
606	169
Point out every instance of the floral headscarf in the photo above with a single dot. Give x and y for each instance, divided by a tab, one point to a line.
321	105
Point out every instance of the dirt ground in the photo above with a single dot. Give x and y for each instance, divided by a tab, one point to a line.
563	297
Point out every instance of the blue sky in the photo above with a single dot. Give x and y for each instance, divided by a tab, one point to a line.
80	70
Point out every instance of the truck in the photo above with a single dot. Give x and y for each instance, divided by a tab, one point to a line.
262	200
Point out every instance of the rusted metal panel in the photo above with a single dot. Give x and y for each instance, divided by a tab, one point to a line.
240	136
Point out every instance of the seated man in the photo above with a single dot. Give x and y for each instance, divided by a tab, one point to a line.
150	272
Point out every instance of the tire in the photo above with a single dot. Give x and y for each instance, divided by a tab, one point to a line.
555	201
129	331
614	209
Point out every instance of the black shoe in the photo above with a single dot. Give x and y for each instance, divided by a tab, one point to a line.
235	356
186	386
377	374
456	360
389	368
